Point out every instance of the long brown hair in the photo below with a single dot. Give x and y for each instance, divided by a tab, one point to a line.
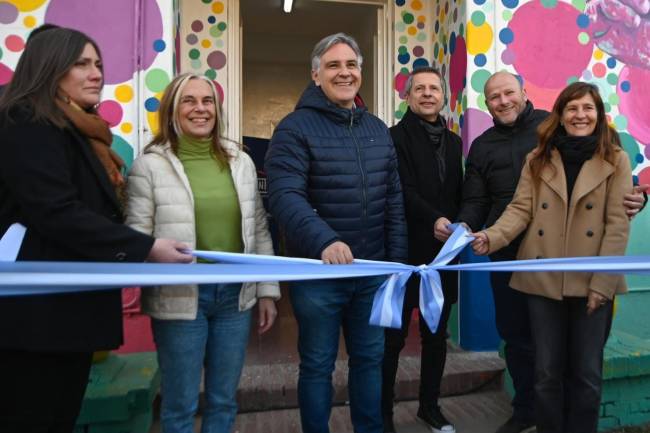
169	128
47	58
607	137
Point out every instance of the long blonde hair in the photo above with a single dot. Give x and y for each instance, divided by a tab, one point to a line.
169	128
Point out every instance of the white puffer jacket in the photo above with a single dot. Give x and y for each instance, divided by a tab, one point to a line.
161	204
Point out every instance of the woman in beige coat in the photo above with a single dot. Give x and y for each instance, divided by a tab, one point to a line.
194	187
569	201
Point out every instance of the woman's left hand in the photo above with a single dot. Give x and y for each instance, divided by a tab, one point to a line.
594	301
268	313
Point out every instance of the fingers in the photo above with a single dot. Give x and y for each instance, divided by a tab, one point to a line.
337	253
594	301
267	315
480	244
169	251
440	229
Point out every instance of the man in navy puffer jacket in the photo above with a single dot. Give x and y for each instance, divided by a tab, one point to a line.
335	191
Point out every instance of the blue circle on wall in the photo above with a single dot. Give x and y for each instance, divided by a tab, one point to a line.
510	4
212	19
404	58
480	60
582	21
420	63
151	104
479	2
625	86
159	45
452	43
506	36
400	2
611	62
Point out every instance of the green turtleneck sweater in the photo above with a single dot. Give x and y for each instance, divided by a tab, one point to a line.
216	206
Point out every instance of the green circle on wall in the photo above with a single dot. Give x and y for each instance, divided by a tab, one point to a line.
478	79
222	26
408	18
211	74
194	54
156	80
478	18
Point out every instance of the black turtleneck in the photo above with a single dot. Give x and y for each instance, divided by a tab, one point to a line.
574	152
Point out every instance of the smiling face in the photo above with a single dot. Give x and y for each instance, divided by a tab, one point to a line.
339	75
197	110
84	81
579	116
426	96
505	98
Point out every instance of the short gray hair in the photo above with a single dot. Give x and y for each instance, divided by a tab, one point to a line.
328	42
423	70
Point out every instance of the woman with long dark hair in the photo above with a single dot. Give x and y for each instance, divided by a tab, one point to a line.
569	201
194	186
59	178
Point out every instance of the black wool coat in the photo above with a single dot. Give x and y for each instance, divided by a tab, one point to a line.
52	183
426	198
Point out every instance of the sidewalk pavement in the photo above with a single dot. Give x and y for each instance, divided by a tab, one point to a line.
471	413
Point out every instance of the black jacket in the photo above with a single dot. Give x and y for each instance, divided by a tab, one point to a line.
426	198
492	172
332	175
52	183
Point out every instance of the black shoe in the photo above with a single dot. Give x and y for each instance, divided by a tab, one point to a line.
434	419
515	426
389	427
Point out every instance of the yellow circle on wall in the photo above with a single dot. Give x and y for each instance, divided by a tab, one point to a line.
123	93
27	5
29	21
416	5
598	54
126	127
412	30
205	43
217	7
479	38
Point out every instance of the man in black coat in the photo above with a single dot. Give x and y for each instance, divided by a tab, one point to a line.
431	172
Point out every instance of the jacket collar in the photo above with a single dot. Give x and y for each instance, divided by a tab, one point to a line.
314	98
593	172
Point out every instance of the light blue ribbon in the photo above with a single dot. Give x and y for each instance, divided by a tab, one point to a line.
37	278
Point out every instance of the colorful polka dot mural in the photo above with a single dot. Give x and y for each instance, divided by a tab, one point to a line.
203	46
431	33
142	50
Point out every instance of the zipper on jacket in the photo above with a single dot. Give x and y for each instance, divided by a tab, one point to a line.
364	202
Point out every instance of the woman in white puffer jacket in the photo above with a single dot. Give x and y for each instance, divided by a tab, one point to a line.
191	186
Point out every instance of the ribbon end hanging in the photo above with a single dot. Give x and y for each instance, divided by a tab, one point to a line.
11	242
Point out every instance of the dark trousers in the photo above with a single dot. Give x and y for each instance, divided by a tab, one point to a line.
513	325
569	363
433	355
41	392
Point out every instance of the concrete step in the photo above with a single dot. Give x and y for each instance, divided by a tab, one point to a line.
474	413
274	386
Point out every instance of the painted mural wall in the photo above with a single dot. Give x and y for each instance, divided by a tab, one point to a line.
134	74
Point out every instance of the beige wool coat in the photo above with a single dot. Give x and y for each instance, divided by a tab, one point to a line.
591	223
161	204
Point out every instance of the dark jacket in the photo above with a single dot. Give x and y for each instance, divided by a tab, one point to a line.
332	176
426	198
492	172
52	183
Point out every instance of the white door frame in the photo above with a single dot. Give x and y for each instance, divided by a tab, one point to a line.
382	67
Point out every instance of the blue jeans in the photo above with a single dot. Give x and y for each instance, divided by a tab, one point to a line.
216	340
321	308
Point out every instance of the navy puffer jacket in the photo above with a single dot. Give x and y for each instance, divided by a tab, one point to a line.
332	176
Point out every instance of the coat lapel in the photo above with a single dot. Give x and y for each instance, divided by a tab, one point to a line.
556	179
594	171
96	167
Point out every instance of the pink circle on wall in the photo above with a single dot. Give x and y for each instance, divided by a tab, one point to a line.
540	97
5	74
634	102
458	66
546	47
110	111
